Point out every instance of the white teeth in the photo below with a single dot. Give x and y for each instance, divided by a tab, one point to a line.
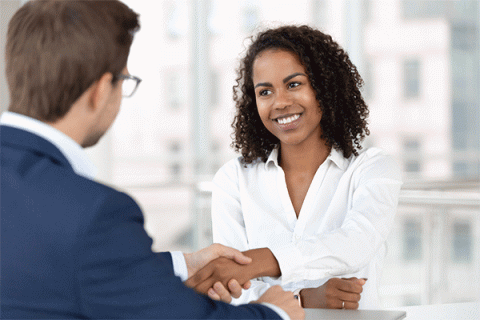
288	119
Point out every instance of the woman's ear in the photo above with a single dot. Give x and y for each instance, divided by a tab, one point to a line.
100	92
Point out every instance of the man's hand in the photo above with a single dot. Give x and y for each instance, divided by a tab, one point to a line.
221	270
197	260
283	299
334	294
219	292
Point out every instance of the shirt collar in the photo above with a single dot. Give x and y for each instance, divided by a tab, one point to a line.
272	158
335	156
74	153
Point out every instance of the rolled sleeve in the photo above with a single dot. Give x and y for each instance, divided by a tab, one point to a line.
291	262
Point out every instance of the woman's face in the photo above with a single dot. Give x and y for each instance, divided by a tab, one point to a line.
286	101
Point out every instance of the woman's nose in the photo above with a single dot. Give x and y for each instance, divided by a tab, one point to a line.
282	99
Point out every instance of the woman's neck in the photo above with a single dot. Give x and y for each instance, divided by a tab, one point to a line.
303	157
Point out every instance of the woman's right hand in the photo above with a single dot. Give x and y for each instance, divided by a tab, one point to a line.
336	293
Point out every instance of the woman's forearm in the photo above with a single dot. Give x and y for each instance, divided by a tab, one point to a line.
264	263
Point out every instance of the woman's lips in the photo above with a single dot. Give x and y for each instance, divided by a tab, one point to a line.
289	122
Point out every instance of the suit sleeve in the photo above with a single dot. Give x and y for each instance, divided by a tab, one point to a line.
120	277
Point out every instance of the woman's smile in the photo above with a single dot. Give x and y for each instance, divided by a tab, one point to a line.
289	122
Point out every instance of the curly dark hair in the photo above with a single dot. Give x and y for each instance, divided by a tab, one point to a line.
332	75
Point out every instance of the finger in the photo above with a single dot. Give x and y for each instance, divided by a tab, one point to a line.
235	288
360	281
222	292
348	296
213	295
350	305
205	285
235	255
199	277
247	285
349	286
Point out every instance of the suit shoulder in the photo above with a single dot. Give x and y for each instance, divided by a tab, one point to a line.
99	192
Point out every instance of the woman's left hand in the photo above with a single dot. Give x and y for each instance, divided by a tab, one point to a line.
336	293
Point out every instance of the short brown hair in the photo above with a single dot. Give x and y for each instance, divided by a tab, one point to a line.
333	76
57	49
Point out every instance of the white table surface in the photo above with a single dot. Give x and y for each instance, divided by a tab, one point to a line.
453	311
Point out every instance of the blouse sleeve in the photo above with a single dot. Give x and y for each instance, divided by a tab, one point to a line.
373	203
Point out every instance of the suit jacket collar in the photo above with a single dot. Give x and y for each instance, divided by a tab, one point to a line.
22	139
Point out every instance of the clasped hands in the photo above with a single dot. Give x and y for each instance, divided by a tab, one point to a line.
226	273
220	274
201	263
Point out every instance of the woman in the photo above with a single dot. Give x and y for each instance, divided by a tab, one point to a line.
303	200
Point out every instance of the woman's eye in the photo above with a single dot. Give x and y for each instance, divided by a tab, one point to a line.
293	84
264	92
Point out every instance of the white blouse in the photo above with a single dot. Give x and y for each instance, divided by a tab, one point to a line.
341	230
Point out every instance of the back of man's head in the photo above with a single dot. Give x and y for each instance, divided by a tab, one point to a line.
57	49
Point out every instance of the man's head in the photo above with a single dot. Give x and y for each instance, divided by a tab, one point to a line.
56	50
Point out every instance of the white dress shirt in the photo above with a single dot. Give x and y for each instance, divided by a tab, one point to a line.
341	230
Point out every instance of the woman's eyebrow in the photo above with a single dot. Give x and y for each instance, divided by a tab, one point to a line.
293	76
268	84
263	84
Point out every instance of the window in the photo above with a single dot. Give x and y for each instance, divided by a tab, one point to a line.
176	90
250	18
430	9
411	70
422	9
411	149
216	159
412	240
320	16
214	88
368	79
177	19
462	242
367	10
175	165
412	300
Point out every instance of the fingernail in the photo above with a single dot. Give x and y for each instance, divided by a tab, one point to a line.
211	292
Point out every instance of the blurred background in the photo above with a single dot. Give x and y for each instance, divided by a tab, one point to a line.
420	61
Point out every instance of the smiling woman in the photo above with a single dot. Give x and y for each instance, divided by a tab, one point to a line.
303	201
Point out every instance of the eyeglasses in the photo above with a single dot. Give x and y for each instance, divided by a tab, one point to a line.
130	84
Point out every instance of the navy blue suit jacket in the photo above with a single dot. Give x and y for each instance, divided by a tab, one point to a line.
74	248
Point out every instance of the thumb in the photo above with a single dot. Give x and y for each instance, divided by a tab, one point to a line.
235	255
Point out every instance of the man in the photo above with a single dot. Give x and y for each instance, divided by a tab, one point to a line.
71	247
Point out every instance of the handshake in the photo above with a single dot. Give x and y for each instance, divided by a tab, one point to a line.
221	272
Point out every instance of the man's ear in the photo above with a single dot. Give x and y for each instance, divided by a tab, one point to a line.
101	91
